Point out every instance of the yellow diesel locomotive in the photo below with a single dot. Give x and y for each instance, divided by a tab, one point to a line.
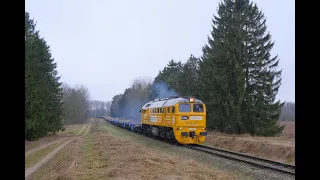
182	119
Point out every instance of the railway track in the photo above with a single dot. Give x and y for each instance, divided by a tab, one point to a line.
252	160
255	161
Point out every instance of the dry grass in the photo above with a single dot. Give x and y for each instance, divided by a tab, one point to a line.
289	129
71	130
100	155
36	156
280	148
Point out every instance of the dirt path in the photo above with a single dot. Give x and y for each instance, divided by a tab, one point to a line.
42	146
81	130
85	133
49	156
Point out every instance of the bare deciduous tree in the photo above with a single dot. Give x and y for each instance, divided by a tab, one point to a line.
76	104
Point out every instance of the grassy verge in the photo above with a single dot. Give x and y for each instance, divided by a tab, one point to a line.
264	147
100	155
71	130
280	148
89	154
166	148
36	156
63	164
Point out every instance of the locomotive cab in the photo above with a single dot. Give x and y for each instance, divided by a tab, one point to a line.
190	122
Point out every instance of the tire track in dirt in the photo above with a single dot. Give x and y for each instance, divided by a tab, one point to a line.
53	142
49	156
81	129
44	146
85	133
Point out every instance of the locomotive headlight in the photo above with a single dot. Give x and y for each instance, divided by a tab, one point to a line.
191	100
180	128
203	128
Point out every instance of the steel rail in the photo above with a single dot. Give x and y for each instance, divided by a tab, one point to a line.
252	160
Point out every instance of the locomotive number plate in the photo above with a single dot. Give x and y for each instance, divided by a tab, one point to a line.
196	117
192	129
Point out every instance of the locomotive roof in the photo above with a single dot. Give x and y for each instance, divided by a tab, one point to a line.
168	102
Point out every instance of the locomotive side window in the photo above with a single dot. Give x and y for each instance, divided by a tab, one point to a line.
197	108
173	109
168	110
184	108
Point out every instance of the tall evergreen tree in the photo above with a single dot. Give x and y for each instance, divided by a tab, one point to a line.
263	80
170	74
188	78
238	76
43	92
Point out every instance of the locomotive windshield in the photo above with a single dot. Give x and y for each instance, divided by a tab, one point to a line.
184	108
197	108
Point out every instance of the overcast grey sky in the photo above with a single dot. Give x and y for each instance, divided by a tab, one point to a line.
105	44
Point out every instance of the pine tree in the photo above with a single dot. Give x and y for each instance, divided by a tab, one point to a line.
238	78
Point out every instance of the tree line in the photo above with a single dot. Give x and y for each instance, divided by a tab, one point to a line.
76	104
236	76
49	104
99	108
78	107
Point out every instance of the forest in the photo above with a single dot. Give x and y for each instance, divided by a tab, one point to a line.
236	76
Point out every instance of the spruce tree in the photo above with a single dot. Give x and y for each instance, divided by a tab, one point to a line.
263	80
238	77
170	75
43	93
221	74
188	78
